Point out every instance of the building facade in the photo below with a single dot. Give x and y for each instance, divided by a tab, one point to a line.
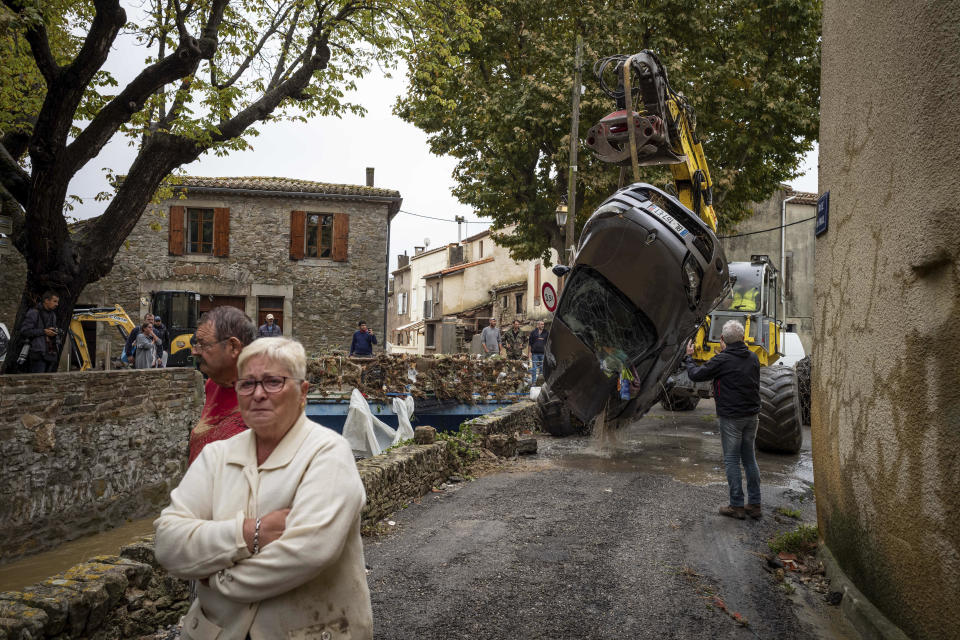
454	290
885	403
312	254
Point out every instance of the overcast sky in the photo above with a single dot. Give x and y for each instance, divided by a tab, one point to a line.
338	151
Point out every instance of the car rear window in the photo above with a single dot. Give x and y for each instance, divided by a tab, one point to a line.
605	320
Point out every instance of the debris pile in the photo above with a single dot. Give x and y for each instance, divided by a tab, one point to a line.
444	377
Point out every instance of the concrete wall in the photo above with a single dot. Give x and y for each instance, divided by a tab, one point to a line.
798	247
886	361
83	452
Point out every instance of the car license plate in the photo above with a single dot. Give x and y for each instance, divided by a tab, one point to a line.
667	219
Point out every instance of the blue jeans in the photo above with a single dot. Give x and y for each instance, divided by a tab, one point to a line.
536	360
738	437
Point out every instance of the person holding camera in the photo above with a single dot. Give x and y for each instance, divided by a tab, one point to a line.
40	328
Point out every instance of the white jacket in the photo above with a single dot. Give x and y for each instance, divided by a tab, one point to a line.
311	582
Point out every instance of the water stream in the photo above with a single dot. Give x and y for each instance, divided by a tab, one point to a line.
30	570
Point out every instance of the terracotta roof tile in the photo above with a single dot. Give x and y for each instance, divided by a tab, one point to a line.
288	185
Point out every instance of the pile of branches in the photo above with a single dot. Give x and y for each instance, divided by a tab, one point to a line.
444	377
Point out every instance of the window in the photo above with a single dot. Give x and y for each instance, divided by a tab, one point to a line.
519	303
431	335
401	303
481	249
200	230
319	235
503	303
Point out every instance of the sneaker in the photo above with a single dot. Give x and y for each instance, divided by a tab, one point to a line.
733	512
754	511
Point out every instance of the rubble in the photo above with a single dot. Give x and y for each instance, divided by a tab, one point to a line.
444	377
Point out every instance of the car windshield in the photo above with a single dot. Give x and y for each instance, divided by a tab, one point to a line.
605	320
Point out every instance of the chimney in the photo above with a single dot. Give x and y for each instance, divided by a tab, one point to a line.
369	176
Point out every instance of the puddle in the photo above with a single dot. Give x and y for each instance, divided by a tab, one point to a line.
26	571
675	444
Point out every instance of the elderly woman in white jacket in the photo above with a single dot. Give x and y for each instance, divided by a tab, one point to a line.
268	522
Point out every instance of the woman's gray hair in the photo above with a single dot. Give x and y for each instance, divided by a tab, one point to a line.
732	332
284	351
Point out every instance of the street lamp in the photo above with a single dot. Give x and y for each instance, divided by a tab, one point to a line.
562	216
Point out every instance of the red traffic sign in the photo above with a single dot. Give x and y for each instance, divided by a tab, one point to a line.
549	295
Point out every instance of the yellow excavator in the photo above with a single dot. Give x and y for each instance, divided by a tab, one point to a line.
654	125
114	317
178	310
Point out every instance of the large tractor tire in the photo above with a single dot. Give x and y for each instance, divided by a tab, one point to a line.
678	402
780	421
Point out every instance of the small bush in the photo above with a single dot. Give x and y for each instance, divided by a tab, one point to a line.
803	540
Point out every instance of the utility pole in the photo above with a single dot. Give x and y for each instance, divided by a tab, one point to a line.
574	144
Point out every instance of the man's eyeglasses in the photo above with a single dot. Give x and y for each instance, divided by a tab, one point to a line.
270	384
201	346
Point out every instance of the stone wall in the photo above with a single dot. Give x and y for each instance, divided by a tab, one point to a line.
885	403
130	595
84	452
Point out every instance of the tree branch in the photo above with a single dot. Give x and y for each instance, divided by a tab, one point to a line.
180	63
13	178
257	49
39	45
65	93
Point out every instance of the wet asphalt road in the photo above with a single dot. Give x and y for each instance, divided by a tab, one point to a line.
589	539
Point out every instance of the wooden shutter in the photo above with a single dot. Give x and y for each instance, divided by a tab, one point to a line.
341	235
298	229
221	232
175	242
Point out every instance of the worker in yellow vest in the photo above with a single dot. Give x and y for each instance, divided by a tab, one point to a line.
746	300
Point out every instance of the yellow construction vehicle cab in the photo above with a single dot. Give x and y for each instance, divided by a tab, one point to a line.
178	309
115	317
654	125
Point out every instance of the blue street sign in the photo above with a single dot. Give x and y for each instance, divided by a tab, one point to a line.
823	214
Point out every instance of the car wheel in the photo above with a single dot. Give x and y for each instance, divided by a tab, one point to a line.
678	402
780	422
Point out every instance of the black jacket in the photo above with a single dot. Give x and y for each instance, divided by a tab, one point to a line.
34	323
736	380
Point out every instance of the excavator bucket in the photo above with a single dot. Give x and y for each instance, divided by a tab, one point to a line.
610	140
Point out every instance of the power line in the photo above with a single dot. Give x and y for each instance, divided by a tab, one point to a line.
777	228
420	215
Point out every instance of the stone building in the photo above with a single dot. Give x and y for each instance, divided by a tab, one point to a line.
312	254
791	251
885	402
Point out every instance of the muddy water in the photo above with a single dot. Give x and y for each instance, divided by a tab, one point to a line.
684	445
21	573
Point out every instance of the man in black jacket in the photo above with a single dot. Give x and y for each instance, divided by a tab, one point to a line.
736	390
40	328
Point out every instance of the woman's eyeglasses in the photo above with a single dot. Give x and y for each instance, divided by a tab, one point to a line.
270	384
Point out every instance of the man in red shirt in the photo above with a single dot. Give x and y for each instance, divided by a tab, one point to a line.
221	335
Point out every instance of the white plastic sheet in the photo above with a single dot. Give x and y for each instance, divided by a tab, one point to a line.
370	436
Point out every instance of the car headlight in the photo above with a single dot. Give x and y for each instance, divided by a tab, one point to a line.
691	280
